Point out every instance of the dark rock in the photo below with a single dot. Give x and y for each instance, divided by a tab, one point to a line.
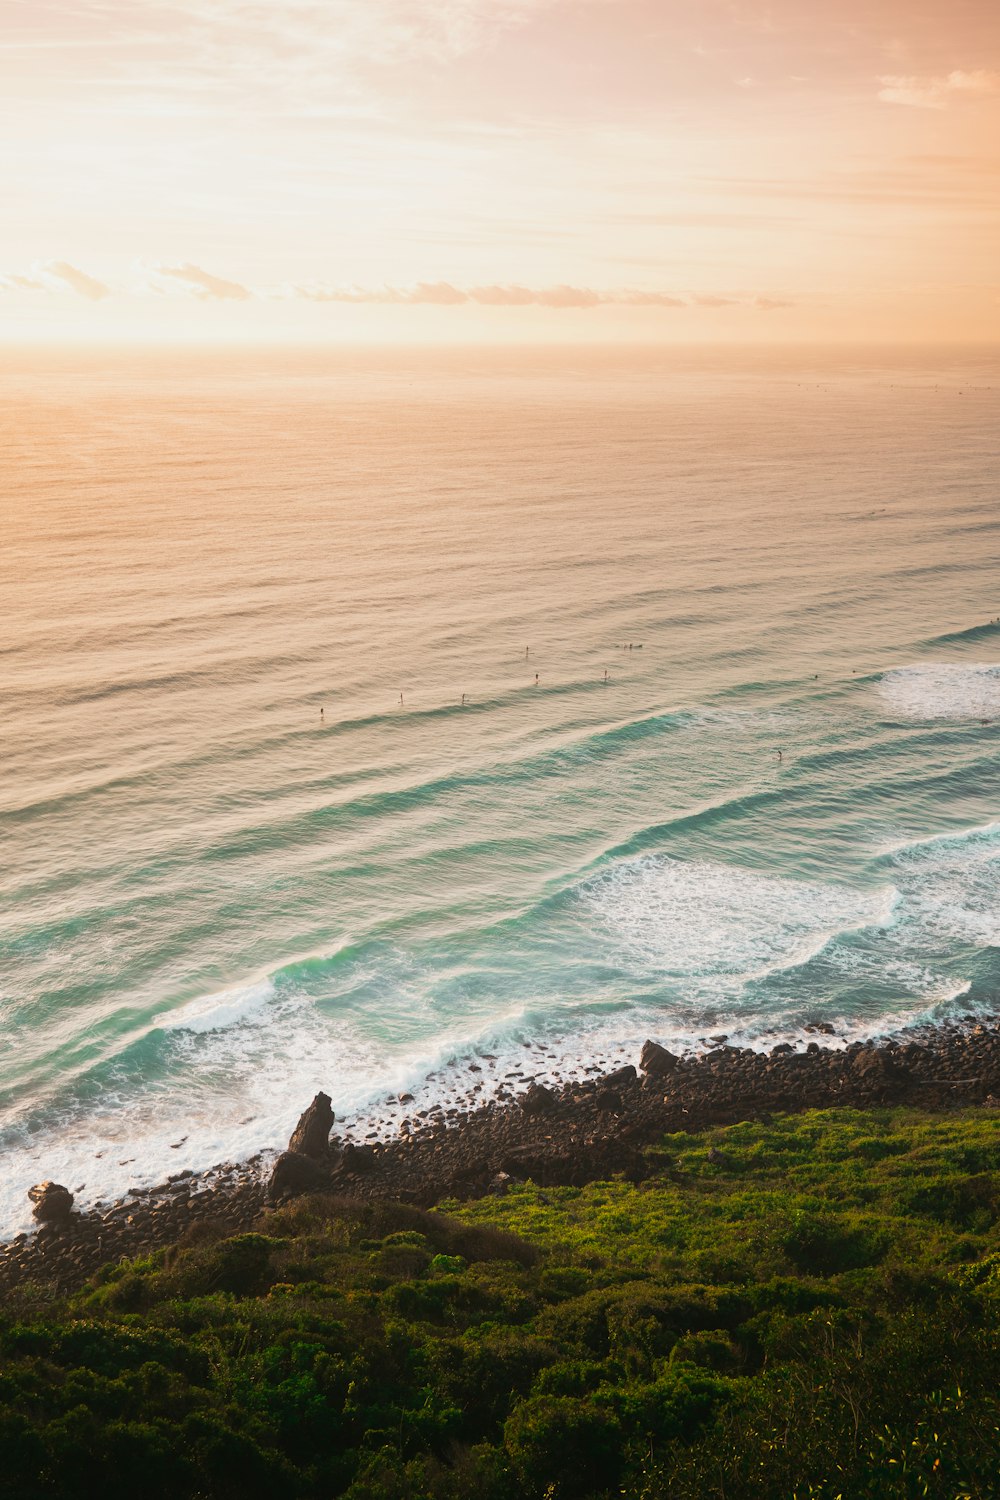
609	1102
621	1077
52	1201
358	1158
656	1060
294	1174
538	1100
875	1065
312	1134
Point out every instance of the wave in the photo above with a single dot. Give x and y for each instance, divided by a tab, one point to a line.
241	1005
943	690
698	921
946	836
986	630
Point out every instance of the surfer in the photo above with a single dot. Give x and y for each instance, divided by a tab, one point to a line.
463	700
400	700
779	755
536	679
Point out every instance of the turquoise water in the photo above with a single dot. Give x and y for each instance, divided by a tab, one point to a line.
237	867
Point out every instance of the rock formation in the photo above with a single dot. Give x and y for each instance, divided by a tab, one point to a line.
52	1202
311	1136
656	1060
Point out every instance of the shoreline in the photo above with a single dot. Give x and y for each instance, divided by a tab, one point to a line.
585	1129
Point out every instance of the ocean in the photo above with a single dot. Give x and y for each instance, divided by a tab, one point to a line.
368	715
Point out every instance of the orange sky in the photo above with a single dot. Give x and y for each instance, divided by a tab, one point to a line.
337	170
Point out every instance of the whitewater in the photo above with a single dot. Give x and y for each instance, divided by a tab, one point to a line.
368	716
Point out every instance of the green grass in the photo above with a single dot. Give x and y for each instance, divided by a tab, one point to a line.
802	1309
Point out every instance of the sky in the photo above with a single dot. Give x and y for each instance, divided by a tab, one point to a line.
535	170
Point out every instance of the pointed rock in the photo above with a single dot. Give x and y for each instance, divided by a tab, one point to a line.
311	1136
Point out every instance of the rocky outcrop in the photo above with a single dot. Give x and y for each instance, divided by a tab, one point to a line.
53	1203
656	1061
567	1135
311	1136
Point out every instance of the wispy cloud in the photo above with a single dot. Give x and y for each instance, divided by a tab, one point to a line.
937	92
443	293
14	283
201	283
160	280
769	304
60	274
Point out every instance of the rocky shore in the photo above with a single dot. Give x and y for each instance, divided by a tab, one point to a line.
579	1132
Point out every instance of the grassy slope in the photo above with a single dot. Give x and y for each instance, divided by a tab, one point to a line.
807	1308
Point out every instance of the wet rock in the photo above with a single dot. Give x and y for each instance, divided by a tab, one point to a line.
538	1100
656	1060
53	1202
312	1134
294	1174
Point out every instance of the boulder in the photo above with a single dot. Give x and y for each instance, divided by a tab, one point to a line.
52	1201
621	1077
609	1102
295	1174
875	1065
311	1135
538	1100
656	1060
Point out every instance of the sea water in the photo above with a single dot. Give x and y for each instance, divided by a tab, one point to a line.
366	716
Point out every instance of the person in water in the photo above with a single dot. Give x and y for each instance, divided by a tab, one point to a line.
536	679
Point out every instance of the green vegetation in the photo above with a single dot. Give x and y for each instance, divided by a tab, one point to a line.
801	1310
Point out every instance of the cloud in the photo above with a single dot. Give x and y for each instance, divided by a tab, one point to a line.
60	274
649	299
444	294
431	293
203	284
14	283
937	92
194	281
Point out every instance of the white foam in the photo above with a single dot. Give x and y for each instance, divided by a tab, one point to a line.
230	1007
717	925
948	836
943	690
951	891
